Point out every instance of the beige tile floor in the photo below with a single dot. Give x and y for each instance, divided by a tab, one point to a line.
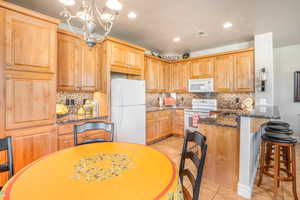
172	147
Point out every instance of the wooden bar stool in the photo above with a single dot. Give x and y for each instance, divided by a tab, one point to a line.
284	160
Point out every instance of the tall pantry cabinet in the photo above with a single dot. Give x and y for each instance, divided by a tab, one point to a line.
28	62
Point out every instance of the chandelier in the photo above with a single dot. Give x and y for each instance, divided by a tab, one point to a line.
90	15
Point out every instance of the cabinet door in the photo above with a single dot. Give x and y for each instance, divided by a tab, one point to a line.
152	74
178	122
224	73
160	76
30	99
166	77
31	44
184	74
32	145
135	58
69	63
165	123
202	68
119	57
176	77
244	72
89	70
151	127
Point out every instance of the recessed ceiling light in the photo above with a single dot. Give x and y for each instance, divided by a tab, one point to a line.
131	15
176	39
67	2
227	25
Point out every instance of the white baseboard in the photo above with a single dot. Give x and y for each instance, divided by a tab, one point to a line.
244	191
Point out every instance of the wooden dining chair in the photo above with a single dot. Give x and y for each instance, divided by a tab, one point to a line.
93	126
6	145
197	140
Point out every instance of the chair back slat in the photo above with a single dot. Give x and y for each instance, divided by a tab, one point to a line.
200	141
93	126
6	145
189	174
193	157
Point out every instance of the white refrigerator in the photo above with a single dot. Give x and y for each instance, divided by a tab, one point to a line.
128	110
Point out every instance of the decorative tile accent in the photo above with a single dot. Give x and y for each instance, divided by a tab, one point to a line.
225	100
78	97
101	166
228	100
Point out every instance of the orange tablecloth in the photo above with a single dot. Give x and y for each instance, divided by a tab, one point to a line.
108	171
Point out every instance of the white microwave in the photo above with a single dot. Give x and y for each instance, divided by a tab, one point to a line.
201	85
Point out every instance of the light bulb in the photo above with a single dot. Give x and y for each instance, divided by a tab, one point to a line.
114	5
107	17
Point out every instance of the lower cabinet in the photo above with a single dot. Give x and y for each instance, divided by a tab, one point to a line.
178	122
159	125
32	144
222	158
163	123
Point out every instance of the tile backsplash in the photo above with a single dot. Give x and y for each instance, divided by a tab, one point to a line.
78	97
225	100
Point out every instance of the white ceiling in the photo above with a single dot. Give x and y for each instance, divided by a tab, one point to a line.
159	21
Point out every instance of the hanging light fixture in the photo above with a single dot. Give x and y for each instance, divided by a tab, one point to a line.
90	15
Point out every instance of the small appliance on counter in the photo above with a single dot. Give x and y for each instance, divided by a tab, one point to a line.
169	100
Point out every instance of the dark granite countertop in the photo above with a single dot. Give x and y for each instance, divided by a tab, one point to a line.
157	108
222	119
268	112
77	118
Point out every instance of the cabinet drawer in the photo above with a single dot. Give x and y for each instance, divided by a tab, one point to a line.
65	129
150	116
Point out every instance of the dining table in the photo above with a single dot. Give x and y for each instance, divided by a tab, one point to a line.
108	171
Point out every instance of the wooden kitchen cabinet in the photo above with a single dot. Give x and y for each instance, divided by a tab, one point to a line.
30	99
124	57
202	68
224	73
180	74
178	122
158	125
33	144
77	64
157	75
244	72
89	69
30	43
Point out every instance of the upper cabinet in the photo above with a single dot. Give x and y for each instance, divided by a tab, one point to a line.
224	73
202	68
180	74
124	57
244	72
30	43
235	72
154	74
77	64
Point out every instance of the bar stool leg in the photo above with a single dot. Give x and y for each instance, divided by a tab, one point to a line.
294	172
262	163
276	169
